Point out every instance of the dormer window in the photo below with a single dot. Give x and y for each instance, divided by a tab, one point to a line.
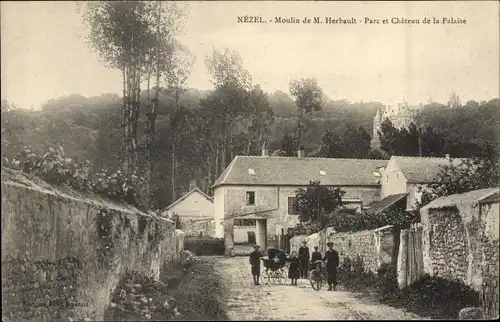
321	172
376	174
251	171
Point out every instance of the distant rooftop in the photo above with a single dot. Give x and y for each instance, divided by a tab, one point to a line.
423	169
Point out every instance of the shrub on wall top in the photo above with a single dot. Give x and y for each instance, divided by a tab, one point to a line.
347	220
55	168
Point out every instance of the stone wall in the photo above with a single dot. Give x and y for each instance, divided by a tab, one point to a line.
447	241
64	252
194	227
372	247
460	241
296	241
490	269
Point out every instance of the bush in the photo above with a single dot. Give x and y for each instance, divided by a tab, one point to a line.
55	168
352	274
348	220
437	297
178	296
199	292
387	281
205	245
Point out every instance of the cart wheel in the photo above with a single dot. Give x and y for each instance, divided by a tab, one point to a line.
265	278
281	276
273	278
315	280
319	283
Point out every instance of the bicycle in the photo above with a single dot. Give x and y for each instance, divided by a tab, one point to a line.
316	276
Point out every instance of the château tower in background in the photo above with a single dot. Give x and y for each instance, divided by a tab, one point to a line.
401	116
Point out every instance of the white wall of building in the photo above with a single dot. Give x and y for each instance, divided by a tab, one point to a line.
219	204
194	206
393	180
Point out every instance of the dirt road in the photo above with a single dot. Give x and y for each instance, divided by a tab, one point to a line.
301	302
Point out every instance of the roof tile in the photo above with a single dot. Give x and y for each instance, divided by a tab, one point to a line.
423	169
295	171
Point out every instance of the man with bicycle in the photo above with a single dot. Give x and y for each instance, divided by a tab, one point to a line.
332	263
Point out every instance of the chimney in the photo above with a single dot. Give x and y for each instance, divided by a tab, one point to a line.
192	185
265	151
300	152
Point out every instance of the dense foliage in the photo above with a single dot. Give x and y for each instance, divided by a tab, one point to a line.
435	297
55	168
194	294
204	245
348	220
351	142
314	203
463	176
466	131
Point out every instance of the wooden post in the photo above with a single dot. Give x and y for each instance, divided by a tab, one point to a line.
402	259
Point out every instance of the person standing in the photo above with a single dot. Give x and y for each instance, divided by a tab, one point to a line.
332	263
303	260
255	263
315	256
293	270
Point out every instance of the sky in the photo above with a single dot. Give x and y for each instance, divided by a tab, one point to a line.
44	54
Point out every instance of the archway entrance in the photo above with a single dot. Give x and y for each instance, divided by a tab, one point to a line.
237	242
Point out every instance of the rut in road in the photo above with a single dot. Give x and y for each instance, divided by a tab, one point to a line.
246	301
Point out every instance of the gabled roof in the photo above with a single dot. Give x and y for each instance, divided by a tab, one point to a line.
422	169
385	203
186	195
294	171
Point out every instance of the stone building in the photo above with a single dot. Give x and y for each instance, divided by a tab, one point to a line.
401	116
264	187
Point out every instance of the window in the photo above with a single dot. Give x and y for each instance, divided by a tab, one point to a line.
250	198
244	222
321	172
292	206
251	171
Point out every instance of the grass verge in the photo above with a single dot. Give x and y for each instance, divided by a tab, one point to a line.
192	294
198	290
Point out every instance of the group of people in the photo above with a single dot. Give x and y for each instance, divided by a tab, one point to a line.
300	263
